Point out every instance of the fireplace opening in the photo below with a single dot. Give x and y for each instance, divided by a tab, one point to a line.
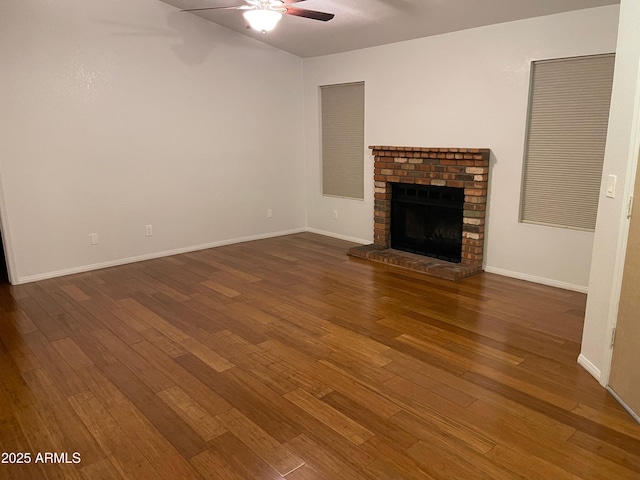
427	220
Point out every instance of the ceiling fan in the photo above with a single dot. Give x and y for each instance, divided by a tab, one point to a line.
263	15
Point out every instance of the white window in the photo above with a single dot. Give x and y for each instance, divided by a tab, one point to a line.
566	136
342	111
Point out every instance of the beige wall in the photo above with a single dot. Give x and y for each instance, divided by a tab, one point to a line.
464	89
121	113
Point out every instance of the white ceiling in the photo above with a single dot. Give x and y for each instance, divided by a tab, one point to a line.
367	23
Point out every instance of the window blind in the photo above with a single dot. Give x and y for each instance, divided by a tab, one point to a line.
567	132
342	111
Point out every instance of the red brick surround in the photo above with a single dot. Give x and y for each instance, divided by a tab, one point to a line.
466	168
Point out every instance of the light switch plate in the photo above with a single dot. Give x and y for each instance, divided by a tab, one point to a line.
611	186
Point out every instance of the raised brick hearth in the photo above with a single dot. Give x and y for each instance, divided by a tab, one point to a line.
466	168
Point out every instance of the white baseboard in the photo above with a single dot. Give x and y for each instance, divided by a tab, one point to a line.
635	416
535	279
340	236
589	367
150	256
193	248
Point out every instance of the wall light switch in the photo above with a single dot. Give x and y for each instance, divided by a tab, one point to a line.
611	186
94	239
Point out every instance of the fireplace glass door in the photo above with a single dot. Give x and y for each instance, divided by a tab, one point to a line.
427	220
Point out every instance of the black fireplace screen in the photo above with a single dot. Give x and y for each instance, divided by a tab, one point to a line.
427	220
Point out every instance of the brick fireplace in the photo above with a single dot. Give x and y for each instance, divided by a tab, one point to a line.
464	168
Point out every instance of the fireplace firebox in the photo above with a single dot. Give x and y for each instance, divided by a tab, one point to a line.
427	220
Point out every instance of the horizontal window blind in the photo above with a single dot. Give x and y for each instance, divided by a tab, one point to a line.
567	132
342	110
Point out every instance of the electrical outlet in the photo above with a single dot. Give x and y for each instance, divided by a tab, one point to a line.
94	239
335	214
148	230
269	213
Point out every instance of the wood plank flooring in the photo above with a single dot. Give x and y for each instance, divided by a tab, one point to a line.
284	358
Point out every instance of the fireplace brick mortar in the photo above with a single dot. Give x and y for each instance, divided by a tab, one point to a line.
466	168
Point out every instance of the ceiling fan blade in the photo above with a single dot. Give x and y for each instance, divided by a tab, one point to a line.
237	7
312	14
288	2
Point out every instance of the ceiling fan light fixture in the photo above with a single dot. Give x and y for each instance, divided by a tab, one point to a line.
262	20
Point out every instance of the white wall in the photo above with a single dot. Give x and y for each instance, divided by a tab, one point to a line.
121	113
464	89
612	226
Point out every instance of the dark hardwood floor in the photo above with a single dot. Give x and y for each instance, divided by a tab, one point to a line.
284	358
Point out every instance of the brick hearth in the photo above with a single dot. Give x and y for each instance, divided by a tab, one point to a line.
466	168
